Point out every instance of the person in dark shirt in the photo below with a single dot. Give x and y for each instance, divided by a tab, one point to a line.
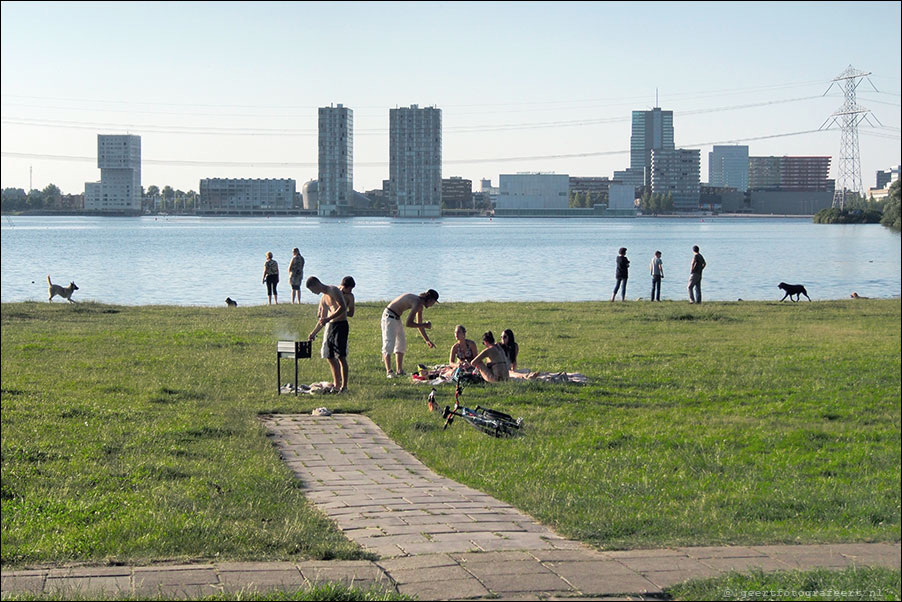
623	269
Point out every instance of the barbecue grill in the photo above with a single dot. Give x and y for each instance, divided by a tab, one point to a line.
290	350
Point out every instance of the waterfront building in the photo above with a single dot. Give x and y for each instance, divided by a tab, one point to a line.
533	191
335	188
119	189
415	161
728	167
634	178
676	172
651	130
232	196
597	187
790	173
621	199
457	193
885	178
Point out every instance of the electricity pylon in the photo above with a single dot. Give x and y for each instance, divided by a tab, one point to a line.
848	116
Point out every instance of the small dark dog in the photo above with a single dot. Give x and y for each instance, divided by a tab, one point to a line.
63	291
231	302
793	289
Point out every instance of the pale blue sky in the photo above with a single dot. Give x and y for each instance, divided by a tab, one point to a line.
231	89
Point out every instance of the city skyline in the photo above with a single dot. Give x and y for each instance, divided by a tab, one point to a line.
232	90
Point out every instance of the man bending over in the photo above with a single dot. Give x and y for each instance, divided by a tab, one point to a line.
394	339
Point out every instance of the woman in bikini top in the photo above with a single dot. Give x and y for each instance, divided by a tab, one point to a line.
463	350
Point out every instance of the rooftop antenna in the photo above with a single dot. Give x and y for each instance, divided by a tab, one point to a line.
849	115
656	98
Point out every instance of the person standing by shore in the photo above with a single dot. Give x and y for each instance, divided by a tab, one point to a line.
695	276
657	274
623	273
296	274
271	278
394	338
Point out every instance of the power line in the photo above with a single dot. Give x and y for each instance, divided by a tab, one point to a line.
289	164
292	132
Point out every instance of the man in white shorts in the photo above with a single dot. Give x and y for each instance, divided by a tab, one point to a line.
394	338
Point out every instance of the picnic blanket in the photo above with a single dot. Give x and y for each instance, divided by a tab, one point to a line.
550	377
441	374
320	388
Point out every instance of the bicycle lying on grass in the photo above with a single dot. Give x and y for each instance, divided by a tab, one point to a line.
490	422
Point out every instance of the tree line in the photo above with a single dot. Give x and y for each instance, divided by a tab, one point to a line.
860	210
52	199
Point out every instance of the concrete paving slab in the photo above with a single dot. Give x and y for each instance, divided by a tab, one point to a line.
31	582
463	589
73	586
424	561
537	583
745	565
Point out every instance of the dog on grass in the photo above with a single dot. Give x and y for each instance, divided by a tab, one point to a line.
63	291
857	296
231	302
793	289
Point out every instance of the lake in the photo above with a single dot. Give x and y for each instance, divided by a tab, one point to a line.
202	260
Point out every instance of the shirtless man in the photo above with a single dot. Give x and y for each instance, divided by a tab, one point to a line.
394	339
492	361
334	312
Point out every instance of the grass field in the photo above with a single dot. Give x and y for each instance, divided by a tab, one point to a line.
130	434
846	584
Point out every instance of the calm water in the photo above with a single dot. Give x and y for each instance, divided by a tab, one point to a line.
201	261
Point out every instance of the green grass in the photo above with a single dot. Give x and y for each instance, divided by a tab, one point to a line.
847	584
331	592
130	434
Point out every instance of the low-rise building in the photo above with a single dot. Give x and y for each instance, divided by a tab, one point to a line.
246	196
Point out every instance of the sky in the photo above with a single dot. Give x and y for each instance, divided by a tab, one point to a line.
231	89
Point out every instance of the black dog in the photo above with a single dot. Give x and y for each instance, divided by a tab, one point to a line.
793	289
231	302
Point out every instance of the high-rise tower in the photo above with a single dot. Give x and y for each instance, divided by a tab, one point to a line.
415	161
119	188
651	130
336	160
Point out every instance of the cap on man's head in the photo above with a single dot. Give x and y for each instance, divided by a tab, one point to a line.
431	294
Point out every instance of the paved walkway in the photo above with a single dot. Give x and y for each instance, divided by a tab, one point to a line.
436	538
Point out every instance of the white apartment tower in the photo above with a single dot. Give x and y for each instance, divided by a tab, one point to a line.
119	189
335	185
415	161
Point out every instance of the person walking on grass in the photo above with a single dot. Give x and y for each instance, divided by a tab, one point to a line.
394	339
623	273
334	317
657	274
695	276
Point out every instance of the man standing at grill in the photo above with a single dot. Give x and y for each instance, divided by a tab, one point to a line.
334	317
394	339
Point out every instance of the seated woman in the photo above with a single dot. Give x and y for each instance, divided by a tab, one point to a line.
492	362
464	350
510	347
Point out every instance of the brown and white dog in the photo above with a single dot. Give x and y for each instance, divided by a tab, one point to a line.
63	291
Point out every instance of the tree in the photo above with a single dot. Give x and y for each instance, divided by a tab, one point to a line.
52	196
891	211
35	200
13	199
